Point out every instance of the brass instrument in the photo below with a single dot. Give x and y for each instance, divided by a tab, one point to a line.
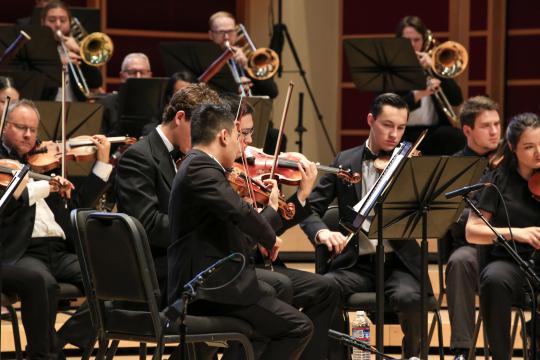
263	63
449	60
96	49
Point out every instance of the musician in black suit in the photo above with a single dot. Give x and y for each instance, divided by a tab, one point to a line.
146	171
45	245
387	120
426	111
210	221
57	16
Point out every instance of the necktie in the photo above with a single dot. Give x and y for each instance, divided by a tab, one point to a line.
175	154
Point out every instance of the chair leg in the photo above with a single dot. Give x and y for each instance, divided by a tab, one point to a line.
102	350
440	335
88	351
112	349
472	349
158	352
521	316
16	333
142	351
514	332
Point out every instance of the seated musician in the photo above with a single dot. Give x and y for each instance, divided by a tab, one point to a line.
57	17
317	296
425	111
481	125
134	65
44	246
209	220
502	283
387	121
146	171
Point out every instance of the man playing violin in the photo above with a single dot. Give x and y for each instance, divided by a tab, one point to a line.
146	170
317	296
209	221
387	121
44	246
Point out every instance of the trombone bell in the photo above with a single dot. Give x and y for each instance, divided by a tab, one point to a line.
449	59
96	49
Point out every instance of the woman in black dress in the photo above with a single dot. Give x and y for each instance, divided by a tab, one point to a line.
502	283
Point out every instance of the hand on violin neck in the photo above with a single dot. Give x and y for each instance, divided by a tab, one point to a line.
273	199
103	148
308	170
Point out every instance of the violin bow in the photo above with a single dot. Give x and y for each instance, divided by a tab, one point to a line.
4	115
281	128
239	114
63	125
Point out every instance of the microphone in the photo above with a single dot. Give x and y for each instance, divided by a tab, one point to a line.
201	277
465	190
349	340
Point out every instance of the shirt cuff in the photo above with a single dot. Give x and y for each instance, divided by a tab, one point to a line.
303	203
102	170
37	190
316	239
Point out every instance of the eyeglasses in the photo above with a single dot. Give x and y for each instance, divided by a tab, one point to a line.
24	128
134	72
224	32
247	132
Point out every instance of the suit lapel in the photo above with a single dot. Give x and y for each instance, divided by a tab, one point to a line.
161	156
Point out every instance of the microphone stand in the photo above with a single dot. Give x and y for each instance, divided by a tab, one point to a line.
525	266
282	28
300	129
352	342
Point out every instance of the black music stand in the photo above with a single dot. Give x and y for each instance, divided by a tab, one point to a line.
141	103
414	206
381	65
262	115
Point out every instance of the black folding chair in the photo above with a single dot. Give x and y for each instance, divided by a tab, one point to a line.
123	293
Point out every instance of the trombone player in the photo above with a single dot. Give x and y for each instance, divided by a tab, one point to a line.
223	32
57	16
444	137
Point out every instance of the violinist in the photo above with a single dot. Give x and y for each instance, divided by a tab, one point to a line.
481	125
387	121
57	16
146	170
45	245
316	295
209	220
502	283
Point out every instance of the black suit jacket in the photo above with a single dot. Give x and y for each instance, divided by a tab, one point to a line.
17	226
144	178
330	187
210	221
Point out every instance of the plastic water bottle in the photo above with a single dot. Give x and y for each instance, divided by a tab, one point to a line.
361	331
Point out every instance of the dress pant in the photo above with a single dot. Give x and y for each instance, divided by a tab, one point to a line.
29	286
401	289
282	331
502	285
461	285
317	297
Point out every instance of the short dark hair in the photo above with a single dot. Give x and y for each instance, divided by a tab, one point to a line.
416	23
208	120
188	99
389	99
473	107
183	75
54	5
233	101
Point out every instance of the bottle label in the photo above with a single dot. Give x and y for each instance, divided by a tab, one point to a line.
361	333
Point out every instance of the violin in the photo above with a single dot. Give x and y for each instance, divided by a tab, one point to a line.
259	165
47	155
534	184
9	167
238	179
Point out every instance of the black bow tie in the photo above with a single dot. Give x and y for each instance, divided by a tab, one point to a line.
176	154
369	155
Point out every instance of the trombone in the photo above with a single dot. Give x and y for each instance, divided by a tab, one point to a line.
96	49
263	63
449	60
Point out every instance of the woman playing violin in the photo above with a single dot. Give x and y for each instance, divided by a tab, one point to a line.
501	281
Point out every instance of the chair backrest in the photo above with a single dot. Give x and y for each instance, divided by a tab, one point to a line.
331	218
118	263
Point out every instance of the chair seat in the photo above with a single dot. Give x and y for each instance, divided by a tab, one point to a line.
367	301
124	321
